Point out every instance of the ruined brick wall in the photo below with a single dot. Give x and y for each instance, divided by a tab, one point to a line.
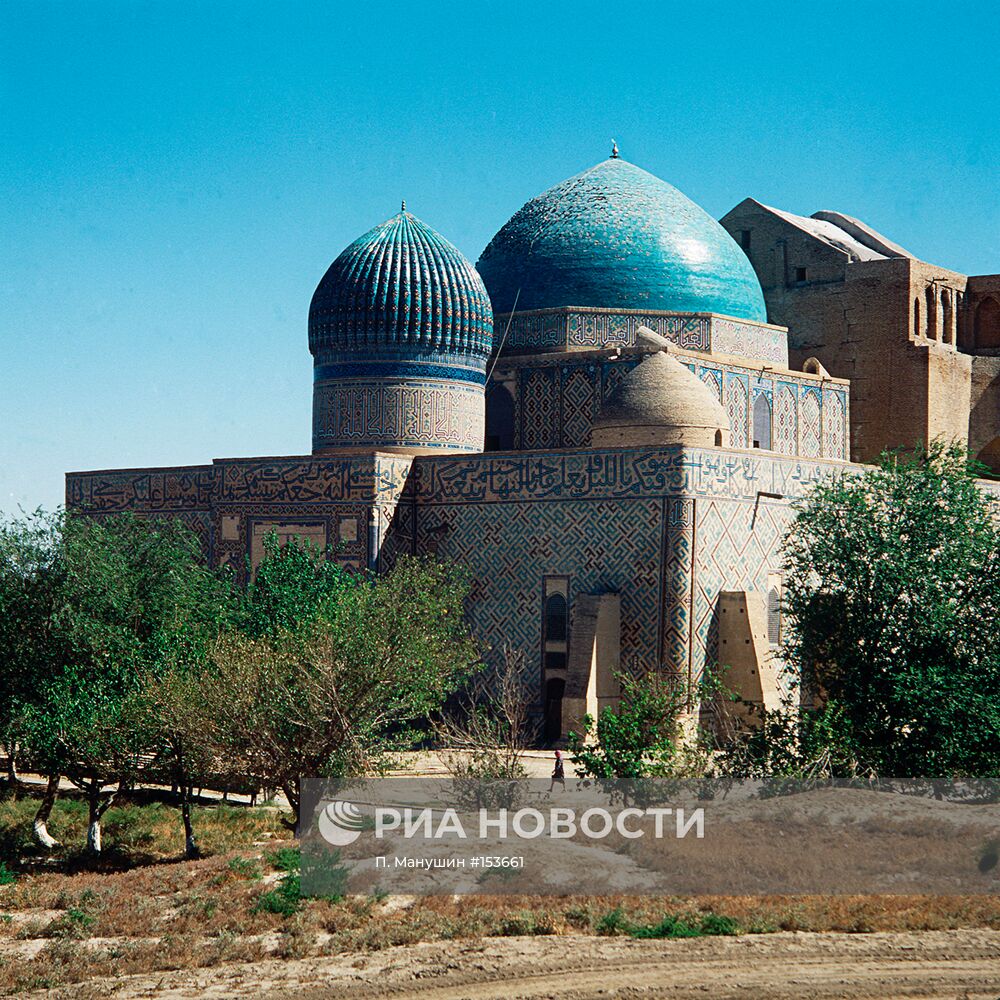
891	326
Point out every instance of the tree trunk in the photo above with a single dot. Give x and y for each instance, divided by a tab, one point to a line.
97	806
40	824
12	780
94	834
291	790
191	849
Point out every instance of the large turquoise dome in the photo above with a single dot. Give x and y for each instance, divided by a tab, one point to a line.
616	237
400	328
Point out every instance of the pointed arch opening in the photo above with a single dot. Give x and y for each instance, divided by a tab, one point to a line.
499	418
986	325
555	618
932	327
762	422
947	327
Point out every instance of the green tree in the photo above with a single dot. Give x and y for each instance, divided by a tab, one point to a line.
639	739
339	692
31	578
32	575
289	586
892	605
129	599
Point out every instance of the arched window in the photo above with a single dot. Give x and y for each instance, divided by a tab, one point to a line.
555	618
931	313
987	323
762	423
916	316
499	419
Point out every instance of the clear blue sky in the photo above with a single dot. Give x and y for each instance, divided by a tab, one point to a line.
175	177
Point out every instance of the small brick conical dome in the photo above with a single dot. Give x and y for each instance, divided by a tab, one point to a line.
660	402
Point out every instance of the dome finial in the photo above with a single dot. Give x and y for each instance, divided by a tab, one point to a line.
402	207
614	150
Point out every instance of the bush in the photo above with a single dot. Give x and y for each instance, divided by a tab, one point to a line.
613	922
639	740
284	900
245	868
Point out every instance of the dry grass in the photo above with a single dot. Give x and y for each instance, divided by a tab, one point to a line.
143	909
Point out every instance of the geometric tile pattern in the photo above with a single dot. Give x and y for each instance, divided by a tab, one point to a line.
562	328
713	380
810	441
738	544
761	426
404	413
613	372
579	405
785	436
540	410
737	407
508	547
557	397
677	579
834	425
748	340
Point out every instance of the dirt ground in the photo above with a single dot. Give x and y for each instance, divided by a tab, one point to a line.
958	965
143	923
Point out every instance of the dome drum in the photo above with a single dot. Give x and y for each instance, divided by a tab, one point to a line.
583	328
407	414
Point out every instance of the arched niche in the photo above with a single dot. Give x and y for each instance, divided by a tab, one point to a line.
762	422
986	325
499	418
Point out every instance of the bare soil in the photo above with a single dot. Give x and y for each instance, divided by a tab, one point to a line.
959	965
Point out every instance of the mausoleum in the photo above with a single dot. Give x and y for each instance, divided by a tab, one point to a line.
602	420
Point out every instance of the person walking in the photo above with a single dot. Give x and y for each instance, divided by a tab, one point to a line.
558	773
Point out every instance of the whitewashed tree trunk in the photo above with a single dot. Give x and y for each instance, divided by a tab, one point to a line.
40	825
98	804
94	836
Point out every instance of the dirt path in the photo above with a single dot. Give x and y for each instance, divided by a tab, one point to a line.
957	965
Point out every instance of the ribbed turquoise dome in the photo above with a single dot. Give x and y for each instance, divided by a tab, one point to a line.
616	237
401	289
400	328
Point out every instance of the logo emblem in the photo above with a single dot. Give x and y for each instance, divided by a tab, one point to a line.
341	823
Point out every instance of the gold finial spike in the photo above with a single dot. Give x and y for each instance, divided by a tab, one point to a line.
614	150
402	207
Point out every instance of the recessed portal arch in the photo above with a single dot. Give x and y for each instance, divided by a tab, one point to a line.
987	323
